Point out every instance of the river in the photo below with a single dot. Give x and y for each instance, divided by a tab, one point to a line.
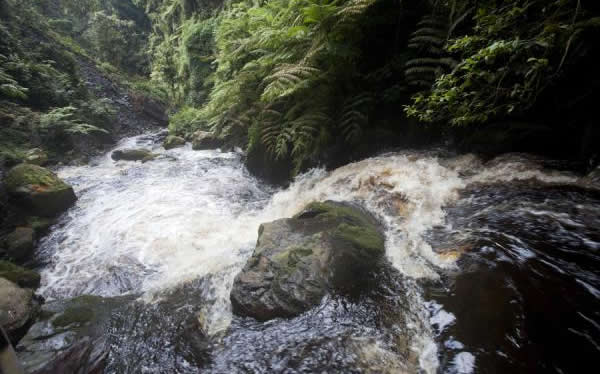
495	265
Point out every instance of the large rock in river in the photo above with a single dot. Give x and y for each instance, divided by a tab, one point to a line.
327	247
39	190
205	140
70	337
18	307
173	141
133	155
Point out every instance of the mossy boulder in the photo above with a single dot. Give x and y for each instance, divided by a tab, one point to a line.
19	275
173	142
36	156
18	308
19	243
205	140
140	154
328	247
39	190
70	336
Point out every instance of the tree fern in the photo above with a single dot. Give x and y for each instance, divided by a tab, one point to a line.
431	60
354	116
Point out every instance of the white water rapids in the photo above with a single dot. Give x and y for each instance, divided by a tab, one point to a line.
148	227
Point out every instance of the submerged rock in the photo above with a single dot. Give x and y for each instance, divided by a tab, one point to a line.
133	155
173	142
39	190
18	307
328	247
205	140
70	337
36	156
19	275
19	243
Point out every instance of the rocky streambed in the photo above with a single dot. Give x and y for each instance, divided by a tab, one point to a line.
175	260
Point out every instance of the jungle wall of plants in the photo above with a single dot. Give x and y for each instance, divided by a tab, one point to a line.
303	81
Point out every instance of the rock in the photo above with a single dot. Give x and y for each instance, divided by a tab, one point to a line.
133	155
205	140
36	156
18	307
22	277
70	337
592	179
297	261
150	108
39	190
19	243
173	142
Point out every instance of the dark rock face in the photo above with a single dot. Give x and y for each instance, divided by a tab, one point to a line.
149	108
133	155
19	244
19	275
70	337
39	190
18	307
328	247
173	142
205	140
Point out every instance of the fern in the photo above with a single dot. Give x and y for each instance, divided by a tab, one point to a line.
430	61
286	78
353	117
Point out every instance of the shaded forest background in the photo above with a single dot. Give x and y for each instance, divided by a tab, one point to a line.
299	83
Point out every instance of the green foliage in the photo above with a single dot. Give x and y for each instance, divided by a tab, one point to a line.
117	41
185	121
281	68
510	56
64	120
182	48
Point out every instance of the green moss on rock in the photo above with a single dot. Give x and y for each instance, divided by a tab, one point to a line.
361	237
173	142
39	190
74	314
19	275
33	175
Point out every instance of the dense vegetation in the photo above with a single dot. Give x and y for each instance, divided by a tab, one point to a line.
44	100
299	82
306	81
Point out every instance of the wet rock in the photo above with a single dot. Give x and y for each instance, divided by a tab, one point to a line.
18	307
36	156
592	179
133	155
150	108
173	142
39	190
19	275
19	244
205	140
70	337
328	247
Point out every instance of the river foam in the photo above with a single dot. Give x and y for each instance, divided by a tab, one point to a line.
144	228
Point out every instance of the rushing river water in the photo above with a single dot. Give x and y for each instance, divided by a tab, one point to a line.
495	266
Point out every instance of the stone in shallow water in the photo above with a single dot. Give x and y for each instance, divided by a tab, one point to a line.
328	247
173	142
205	140
133	155
18	306
71	336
